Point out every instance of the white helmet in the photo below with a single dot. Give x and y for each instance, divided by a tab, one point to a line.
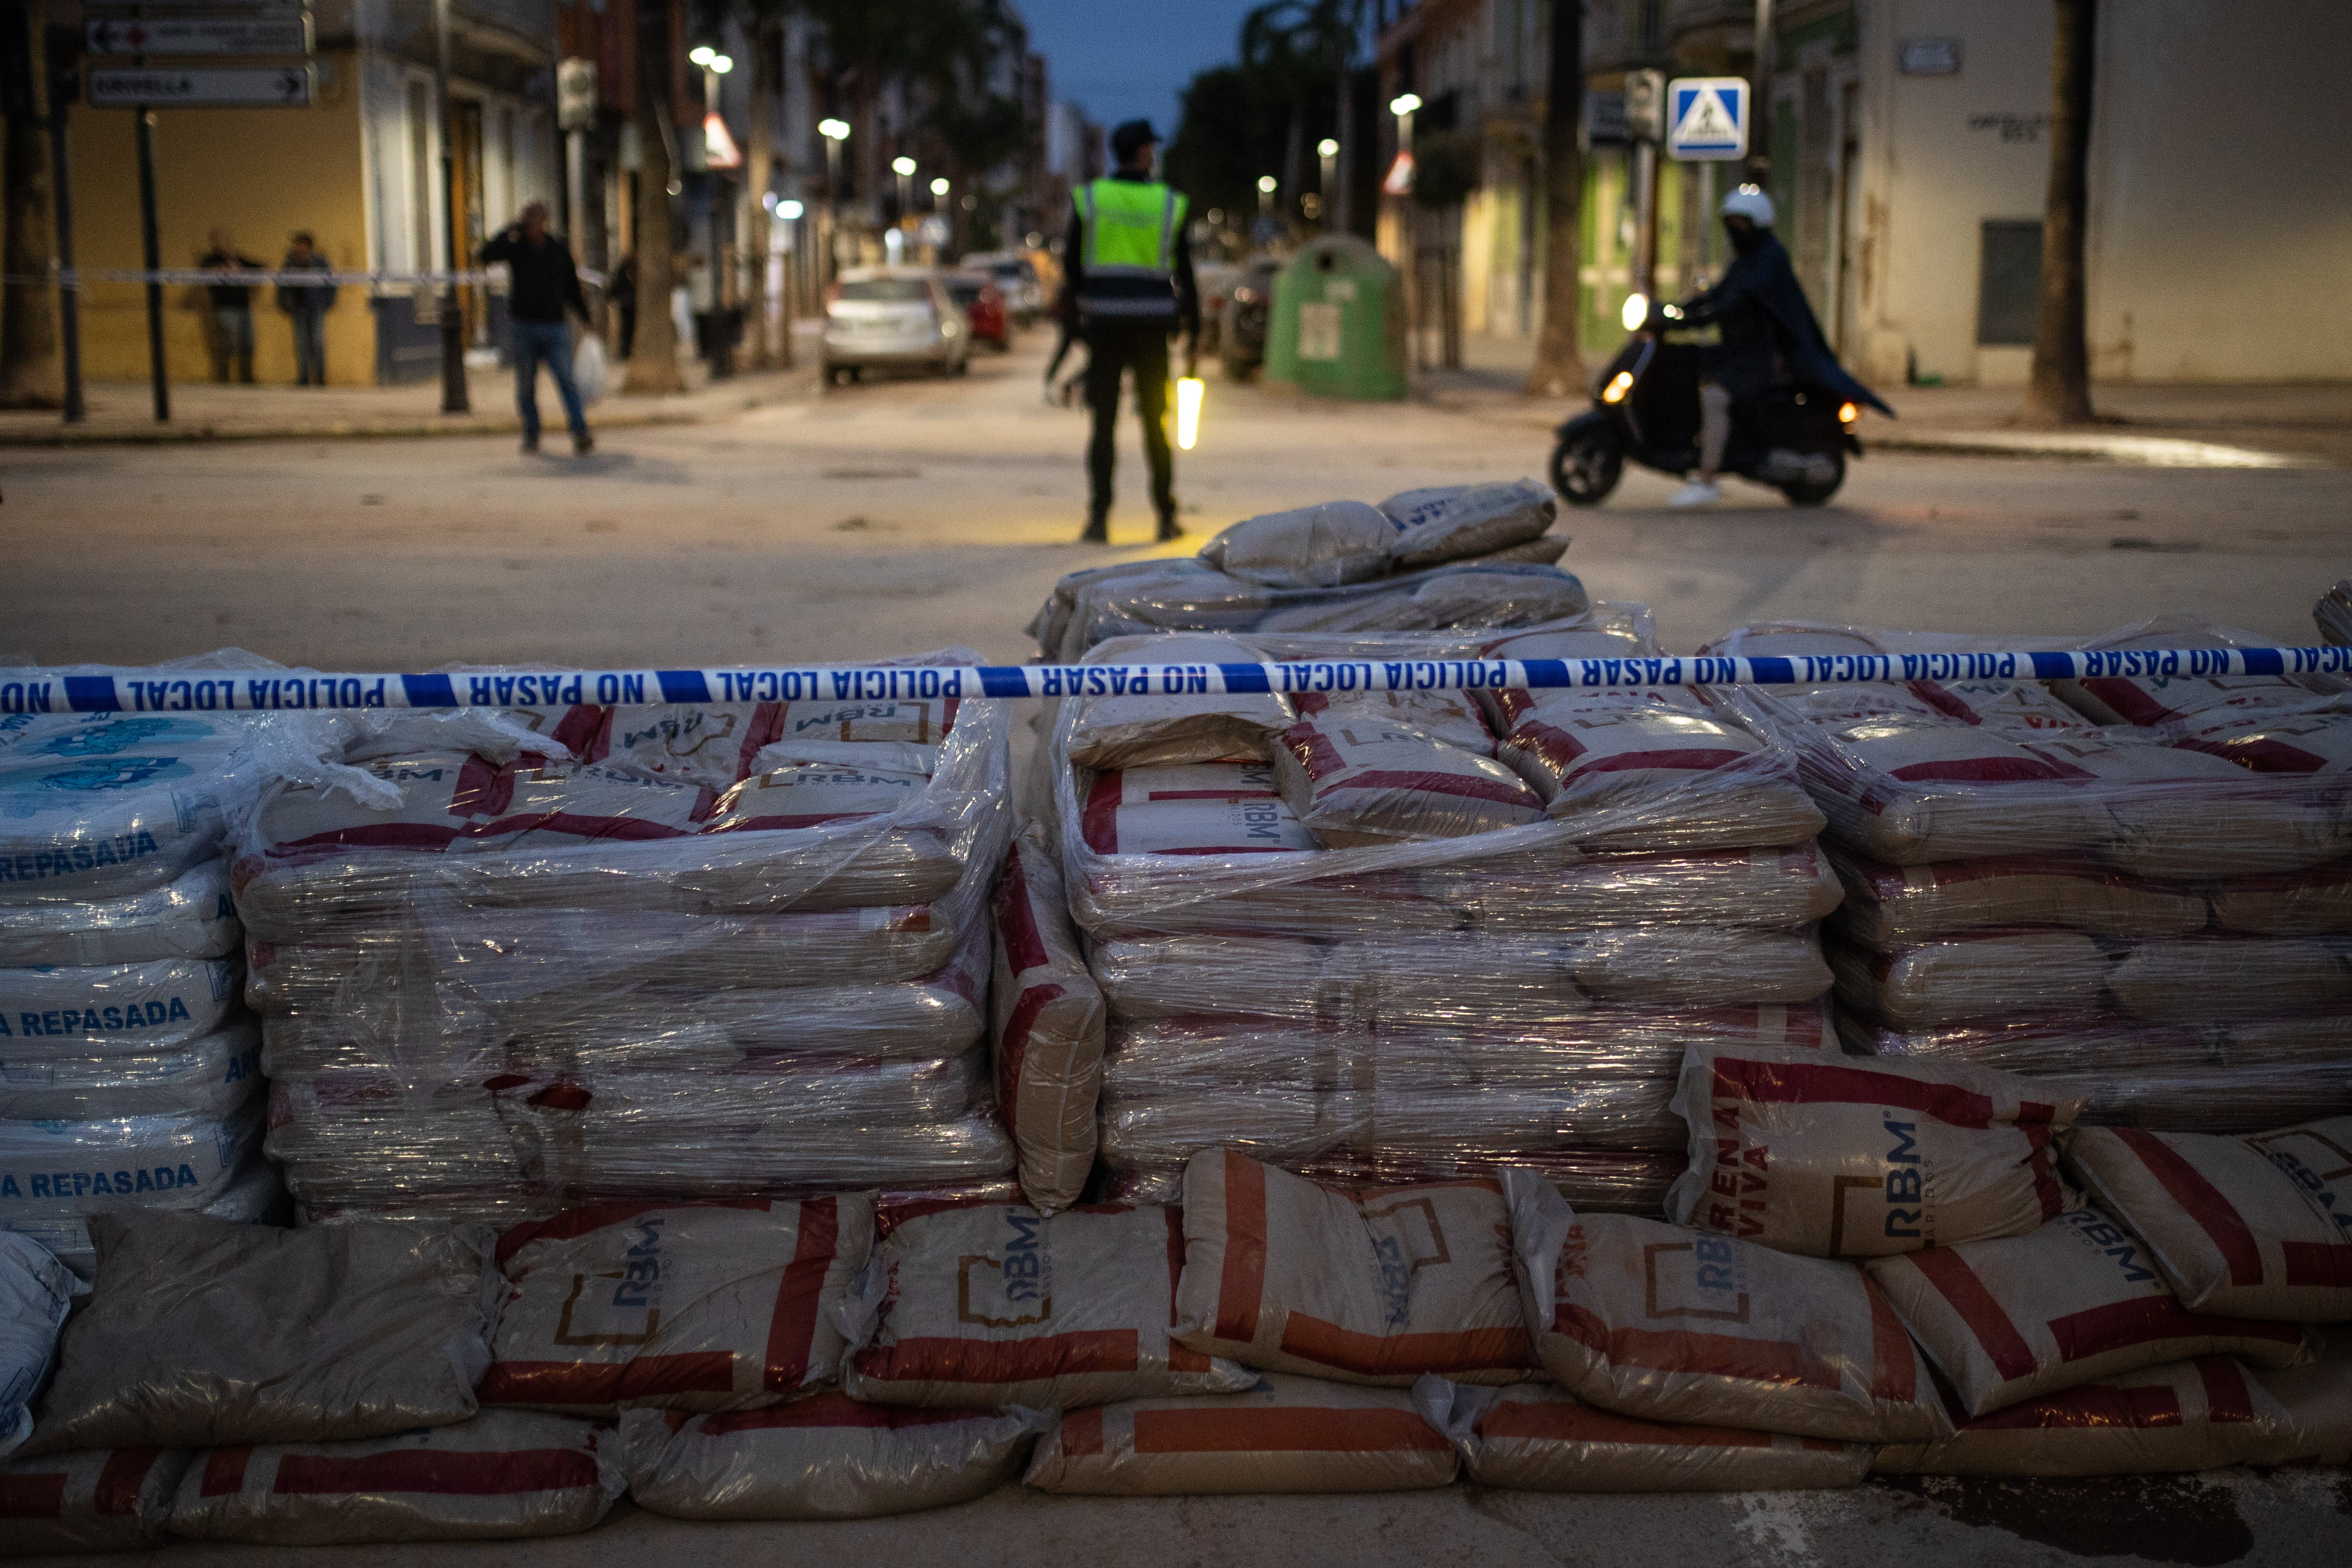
1749	202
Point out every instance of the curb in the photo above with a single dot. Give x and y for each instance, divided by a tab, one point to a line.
2146	451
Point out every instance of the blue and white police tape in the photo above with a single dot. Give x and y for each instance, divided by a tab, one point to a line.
291	277
165	690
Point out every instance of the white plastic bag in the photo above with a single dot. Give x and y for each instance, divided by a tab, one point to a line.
589	371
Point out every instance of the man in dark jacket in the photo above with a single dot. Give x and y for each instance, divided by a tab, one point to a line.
232	308
306	305
543	286
1767	333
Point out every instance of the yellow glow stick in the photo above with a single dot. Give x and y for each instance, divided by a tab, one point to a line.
1188	411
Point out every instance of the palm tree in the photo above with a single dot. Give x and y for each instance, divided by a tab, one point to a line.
1559	369
2059	392
653	358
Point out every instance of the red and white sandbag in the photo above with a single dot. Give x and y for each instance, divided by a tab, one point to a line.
917	720
1377	1286
2181	1416
1118	724
1664	1324
2310	744
1049	1020
1355	784
1845	1158
980	1305
2293	903
1886	906
2157	700
1197	809
1976	974
826	1456
814	794
2075	1301
687	1307
1448	716
90	1499
504	1475
2319	1403
1534	1438
2253	1226
1285	1434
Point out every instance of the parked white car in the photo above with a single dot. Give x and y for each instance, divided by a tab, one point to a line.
893	316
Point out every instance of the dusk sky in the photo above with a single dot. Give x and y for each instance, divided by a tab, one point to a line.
1125	60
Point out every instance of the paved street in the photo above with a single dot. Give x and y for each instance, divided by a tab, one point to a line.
908	514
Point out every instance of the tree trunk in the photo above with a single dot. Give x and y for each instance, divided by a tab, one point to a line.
760	159
31	375
1336	206
2059	390
1559	370
653	360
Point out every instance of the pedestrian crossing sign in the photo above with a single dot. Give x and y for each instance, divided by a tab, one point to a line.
1707	118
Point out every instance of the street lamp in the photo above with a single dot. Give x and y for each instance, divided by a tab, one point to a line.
1266	184
1328	150
790	210
904	167
939	186
835	132
1401	106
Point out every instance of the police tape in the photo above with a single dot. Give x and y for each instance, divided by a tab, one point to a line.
160	690
299	278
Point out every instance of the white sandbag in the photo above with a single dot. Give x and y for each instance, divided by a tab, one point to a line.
191	917
1375	1287
2253	1226
1174	811
2182	1416
1985	974
885	757
2154	700
705	1308
1114	724
1889	906
201	1333
1839	1158
2313	744
35	1290
826	1456
2223	977
1380	784
1532	1436
1666	1324
708	744
113	804
253	1195
1048	1026
1319	546
504	1475
93	1500
984	1305
2318	1403
2296	903
209	1075
52	1170
1475	597
1285	1434
1448	522
149	1006
2075	1301
814	794
1447	716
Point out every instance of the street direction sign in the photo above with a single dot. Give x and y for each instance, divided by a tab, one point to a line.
277	87
286	33
1707	118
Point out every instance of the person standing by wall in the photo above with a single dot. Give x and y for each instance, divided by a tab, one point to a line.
232	309
306	306
543	288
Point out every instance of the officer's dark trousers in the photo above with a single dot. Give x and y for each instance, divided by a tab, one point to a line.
1139	345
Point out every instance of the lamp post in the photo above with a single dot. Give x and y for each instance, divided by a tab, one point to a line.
1266	184
904	167
789	210
834	132
717	350
453	341
1328	152
1408	239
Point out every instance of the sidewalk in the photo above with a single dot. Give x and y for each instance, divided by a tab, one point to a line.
2260	425
122	411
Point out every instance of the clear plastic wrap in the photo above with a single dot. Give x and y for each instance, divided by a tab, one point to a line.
52	1171
117	1008
211	1075
109	806
188	918
2333	614
253	1195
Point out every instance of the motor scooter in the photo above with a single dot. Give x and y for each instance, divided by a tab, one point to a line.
1647	410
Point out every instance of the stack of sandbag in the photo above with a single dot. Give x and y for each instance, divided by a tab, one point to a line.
705	949
2137	885
1890	1252
129	1071
2334	614
1383	935
1470	557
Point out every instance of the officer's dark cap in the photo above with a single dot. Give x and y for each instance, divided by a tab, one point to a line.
1131	138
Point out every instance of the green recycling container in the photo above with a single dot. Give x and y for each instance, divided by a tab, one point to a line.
1337	328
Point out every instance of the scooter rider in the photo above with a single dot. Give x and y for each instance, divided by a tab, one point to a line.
1767	330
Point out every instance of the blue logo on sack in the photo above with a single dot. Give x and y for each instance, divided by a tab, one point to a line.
29	794
118	735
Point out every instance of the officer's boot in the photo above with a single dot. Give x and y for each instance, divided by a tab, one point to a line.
1168	528
1097	527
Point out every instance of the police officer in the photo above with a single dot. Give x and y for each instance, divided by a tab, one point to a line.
1128	287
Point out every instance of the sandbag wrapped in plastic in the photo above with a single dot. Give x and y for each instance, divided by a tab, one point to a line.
190	917
148	1007
1374	1288
2295	903
709	1307
2333	614
212	1075
109	806
1320	546
254	1194
1448	522
2075	1301
503	1475
2317	1399
981	1305
1374	784
1115	727
2181	1416
50	1171
92	1499
35	1290
1451	717
201	1333
1532	1436
1889	906
1284	1435
1048	1020
1830	1157
2253	1226
826	1456
1667	1324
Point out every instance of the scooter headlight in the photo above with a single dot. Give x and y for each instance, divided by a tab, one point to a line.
1636	312
1619	385
1848	414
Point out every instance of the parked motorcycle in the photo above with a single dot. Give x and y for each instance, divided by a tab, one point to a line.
1647	411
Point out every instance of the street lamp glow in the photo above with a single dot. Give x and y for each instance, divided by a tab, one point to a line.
902	165
1265	184
789	209
721	64
939	186
1404	103
834	130
700	53
1326	148
1636	311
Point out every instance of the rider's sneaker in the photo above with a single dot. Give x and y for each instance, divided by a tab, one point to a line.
1698	492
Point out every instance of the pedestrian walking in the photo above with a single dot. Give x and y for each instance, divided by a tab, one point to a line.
306	306
232	308
543	289
1128	287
